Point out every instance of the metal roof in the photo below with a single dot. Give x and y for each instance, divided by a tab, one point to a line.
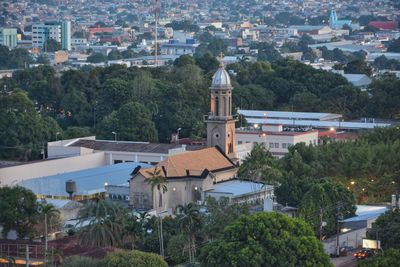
238	188
320	124
88	182
289	115
365	212
127	146
221	79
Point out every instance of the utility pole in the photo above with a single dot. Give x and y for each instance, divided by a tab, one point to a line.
338	218
320	223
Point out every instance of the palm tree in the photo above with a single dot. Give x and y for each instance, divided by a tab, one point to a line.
135	227
103	223
158	181
191	222
49	211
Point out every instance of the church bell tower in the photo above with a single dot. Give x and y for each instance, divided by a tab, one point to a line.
220	122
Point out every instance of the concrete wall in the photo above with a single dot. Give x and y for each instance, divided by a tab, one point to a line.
348	239
141	196
149	158
12	175
180	191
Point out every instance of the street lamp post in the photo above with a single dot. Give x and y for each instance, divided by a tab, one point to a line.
115	135
177	134
57	133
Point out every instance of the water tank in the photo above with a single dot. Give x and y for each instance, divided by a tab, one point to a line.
70	187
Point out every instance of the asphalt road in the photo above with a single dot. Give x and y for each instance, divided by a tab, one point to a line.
345	261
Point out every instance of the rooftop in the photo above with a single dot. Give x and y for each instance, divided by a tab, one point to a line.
221	79
319	124
289	115
144	147
281	133
193	163
88	182
238	188
365	212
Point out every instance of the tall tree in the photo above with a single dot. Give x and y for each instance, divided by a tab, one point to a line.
18	211
103	223
265	239
132	122
48	211
191	222
386	228
260	166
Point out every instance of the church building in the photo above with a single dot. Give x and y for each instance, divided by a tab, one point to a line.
191	176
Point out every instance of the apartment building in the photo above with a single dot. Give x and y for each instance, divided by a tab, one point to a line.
58	31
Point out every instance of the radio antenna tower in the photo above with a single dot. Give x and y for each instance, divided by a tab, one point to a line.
157	9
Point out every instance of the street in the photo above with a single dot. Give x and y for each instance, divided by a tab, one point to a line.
345	261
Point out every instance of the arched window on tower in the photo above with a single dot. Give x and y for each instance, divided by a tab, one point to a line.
229	107
224	107
216	106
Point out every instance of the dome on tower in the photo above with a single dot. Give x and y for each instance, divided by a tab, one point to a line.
221	79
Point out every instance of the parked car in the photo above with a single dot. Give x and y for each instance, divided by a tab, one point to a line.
364	253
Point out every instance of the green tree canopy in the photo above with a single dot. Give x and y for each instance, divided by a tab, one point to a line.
387	227
394	46
51	45
97	58
14	59
260	166
106	223
265	239
390	257
131	122
134	258
18	211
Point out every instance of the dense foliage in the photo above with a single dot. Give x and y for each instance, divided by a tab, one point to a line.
18	211
325	181
368	167
14	59
109	224
134	258
265	239
390	257
387	229
161	100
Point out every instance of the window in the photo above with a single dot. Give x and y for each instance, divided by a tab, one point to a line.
229	106
271	145
276	145
117	161
224	107
284	145
240	142
216	106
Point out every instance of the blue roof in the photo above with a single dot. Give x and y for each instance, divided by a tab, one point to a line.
320	124
365	212
89	181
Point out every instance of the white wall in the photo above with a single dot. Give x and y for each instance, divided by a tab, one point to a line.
350	239
10	176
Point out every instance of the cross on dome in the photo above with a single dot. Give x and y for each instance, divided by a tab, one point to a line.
220	59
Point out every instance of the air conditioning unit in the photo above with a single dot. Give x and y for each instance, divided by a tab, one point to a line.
199	202
127	198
